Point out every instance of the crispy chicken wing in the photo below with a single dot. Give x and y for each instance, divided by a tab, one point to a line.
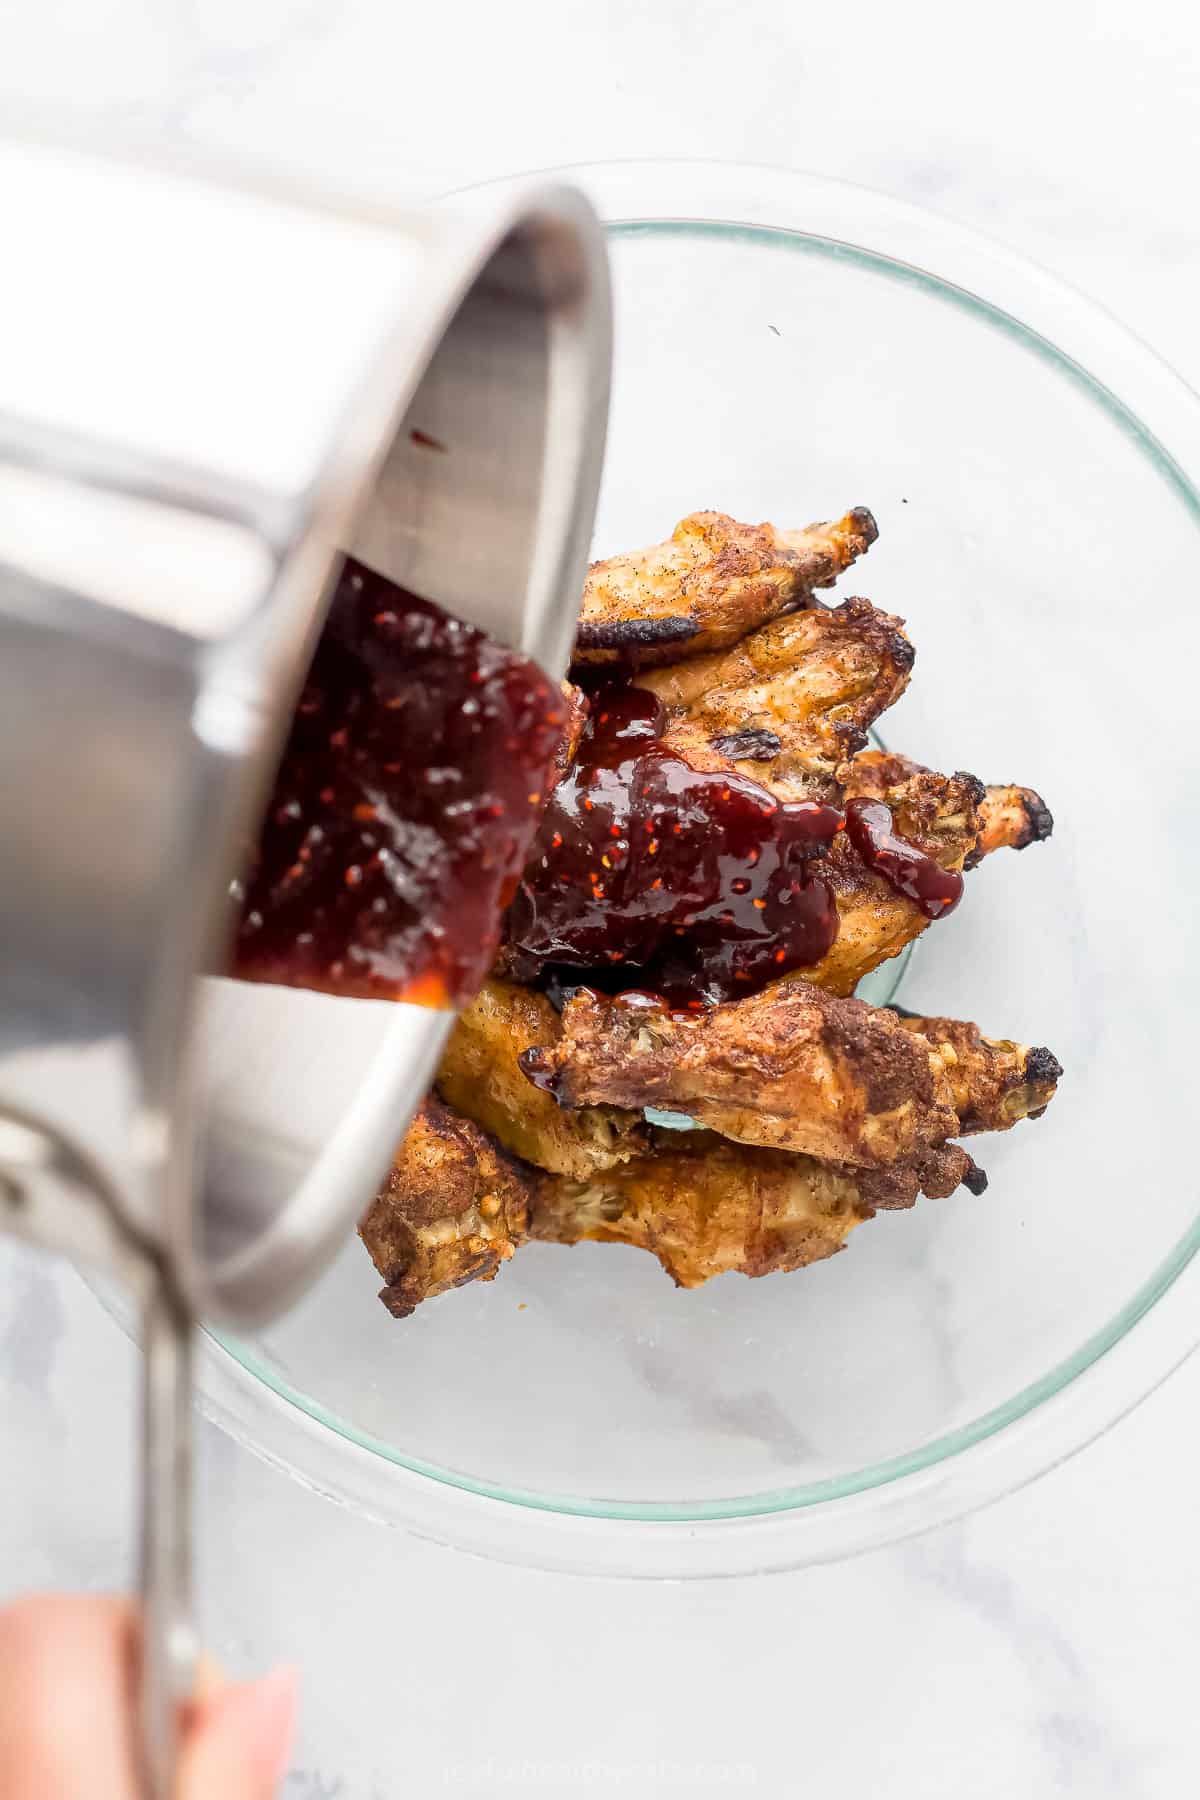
792	701
1005	818
819	1109
937	813
993	1082
453	1208
794	1068
790	1067
953	818
705	1206
708	585
816	712
479	1076
1010	818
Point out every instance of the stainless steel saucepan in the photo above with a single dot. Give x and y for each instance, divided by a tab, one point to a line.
207	393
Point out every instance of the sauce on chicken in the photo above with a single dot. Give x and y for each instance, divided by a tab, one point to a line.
413	793
699	885
911	872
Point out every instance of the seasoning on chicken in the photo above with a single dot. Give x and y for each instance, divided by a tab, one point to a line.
705	1206
793	1068
480	1077
1010	818
453	1208
952	819
709	584
937	817
702	1205
993	1082
791	702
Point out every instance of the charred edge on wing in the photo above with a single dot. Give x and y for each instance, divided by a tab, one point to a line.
1039	820
634	634
863	521
974	1178
750	745
976	789
1037	824
879	629
857	531
902	652
1042	1067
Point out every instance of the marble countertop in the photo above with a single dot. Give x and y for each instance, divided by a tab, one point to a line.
1046	1646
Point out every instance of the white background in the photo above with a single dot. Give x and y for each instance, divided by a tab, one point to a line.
1046	1647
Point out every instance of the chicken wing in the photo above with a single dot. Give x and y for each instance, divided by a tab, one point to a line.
708	585
993	1082
479	1076
1010	818
953	818
453	1208
817	1110
792	1068
937	813
705	1206
792	701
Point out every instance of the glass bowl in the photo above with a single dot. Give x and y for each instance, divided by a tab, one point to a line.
788	347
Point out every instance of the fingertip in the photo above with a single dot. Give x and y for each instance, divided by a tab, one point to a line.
211	1681
242	1743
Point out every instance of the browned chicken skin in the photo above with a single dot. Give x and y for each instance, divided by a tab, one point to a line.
703	1205
795	1068
938	813
453	1208
953	818
480	1077
711	582
1010	818
993	1082
1002	818
456	1205
793	700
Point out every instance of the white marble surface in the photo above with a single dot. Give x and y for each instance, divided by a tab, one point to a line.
1045	1647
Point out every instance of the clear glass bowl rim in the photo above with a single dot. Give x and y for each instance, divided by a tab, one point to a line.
1117	1366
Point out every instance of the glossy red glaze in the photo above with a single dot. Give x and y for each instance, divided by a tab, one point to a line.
405	805
871	829
695	884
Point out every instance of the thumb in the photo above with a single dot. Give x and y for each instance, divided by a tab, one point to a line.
239	1745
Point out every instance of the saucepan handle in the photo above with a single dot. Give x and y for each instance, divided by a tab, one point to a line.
169	1646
